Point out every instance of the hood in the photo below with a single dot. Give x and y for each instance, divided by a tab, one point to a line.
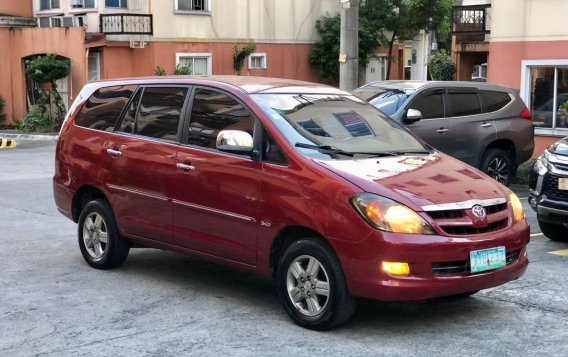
560	147
418	181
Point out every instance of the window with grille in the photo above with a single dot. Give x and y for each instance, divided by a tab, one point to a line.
83	4
199	63
257	61
192	5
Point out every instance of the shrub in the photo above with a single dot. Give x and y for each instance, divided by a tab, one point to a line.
2	104
159	71
182	70
441	67
47	69
239	55
36	120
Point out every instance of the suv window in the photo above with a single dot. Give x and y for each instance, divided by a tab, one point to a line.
158	113
462	104
430	104
493	100
212	112
103	108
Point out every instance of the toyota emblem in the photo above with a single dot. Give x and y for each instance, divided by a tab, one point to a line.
478	211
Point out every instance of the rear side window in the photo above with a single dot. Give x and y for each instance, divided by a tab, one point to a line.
431	105
215	111
103	108
493	100
462	104
155	113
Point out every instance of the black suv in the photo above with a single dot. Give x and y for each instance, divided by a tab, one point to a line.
485	125
548	181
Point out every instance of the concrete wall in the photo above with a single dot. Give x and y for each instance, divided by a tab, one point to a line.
16	8
21	43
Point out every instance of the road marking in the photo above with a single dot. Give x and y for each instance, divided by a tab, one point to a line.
7	143
536	234
563	252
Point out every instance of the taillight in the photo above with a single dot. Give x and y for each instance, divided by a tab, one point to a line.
525	114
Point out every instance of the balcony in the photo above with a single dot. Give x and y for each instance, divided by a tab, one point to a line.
472	20
126	24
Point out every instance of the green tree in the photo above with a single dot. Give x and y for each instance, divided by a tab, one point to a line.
324	56
239	55
441	67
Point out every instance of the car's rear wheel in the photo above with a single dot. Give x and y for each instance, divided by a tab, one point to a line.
554	232
101	245
497	164
312	287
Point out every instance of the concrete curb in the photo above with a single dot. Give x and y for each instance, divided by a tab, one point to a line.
21	136
7	143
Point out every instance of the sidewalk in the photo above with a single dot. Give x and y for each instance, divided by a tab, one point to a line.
15	134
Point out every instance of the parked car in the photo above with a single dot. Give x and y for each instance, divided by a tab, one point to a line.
485	125
548	182
298	181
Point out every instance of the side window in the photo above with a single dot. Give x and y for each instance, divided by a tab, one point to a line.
462	104
493	100
158	114
431	105
102	109
271	152
212	112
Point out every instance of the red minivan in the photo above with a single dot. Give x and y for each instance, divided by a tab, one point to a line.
298	181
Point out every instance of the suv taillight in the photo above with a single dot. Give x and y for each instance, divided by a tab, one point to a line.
525	114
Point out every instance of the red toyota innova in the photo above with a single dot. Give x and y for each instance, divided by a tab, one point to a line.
299	181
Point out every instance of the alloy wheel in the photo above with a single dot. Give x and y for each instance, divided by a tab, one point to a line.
307	283
499	170
95	235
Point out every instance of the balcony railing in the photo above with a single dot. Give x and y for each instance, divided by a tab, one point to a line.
126	24
470	20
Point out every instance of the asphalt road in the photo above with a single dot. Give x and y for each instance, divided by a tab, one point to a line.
166	304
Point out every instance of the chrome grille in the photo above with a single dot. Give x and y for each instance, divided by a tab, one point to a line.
464	226
550	188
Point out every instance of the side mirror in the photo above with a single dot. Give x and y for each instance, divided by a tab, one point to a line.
412	116
236	141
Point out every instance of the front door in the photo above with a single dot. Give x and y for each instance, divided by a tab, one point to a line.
140	158
215	204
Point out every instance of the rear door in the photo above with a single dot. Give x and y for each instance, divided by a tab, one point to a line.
140	161
215	204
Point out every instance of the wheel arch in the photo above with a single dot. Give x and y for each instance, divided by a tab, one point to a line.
506	145
82	197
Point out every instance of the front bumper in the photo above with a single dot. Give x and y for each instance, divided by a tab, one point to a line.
545	197
424	253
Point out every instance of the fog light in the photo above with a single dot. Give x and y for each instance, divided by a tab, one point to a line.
396	268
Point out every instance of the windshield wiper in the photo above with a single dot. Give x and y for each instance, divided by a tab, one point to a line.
327	149
406	152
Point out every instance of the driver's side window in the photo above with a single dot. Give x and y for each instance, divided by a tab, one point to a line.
430	104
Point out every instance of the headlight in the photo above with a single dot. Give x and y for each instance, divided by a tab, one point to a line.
518	213
541	164
388	215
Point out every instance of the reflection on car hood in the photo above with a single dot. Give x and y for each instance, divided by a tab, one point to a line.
418	180
560	147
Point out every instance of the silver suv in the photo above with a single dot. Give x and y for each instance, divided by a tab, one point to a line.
485	125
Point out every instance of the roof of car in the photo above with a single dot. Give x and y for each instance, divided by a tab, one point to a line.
248	84
404	84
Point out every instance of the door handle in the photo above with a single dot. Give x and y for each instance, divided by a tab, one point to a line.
486	125
442	130
114	153
185	167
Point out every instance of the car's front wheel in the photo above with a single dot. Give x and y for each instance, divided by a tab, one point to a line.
554	232
101	245
312	287
497	164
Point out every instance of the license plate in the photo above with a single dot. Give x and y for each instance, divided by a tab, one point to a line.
487	259
563	184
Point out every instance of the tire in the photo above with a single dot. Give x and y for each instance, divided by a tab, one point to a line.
97	225
306	268
554	232
497	164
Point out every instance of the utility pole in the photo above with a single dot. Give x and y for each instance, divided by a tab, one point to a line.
349	45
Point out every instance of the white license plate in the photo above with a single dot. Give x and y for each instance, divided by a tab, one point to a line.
487	259
563	184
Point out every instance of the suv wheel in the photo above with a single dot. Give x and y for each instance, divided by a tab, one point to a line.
101	245
497	164
312	287
554	232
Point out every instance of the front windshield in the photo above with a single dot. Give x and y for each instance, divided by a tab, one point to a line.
327	124
388	101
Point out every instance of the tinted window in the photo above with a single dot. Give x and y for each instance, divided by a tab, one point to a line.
430	105
102	109
494	100
462	104
127	124
271	151
212	112
158	114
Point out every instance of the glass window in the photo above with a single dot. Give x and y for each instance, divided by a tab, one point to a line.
48	4
192	5
462	104
159	112
212	112
94	66
542	96
102	109
431	105
127	124
271	151
79	4
198	65
116	3
493	100
257	61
